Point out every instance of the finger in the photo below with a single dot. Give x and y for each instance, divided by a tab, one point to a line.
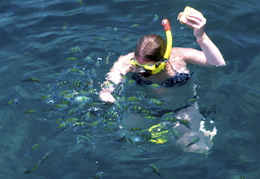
194	19
193	25
197	16
190	24
111	99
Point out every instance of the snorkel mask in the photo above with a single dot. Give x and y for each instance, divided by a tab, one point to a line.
149	69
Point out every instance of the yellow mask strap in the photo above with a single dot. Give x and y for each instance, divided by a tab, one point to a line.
154	68
159	68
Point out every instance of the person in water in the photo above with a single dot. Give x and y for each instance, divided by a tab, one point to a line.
148	65
150	51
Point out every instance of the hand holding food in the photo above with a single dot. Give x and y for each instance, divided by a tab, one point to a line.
194	19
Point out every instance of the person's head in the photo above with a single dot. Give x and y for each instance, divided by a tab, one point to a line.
151	48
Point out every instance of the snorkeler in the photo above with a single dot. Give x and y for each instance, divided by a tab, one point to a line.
150	52
154	62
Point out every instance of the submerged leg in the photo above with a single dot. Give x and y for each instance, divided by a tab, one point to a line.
195	138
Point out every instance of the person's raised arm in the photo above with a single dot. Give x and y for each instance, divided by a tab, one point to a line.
114	77
211	55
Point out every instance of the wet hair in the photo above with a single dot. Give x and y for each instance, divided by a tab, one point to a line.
150	47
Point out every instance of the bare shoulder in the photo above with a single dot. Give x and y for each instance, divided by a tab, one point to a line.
122	64
178	54
185	53
124	59
189	55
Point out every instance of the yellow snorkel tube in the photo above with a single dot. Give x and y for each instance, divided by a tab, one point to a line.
167	28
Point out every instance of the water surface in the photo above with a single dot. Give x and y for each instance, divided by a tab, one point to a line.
55	54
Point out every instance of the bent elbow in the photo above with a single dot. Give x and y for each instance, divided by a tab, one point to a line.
216	65
222	64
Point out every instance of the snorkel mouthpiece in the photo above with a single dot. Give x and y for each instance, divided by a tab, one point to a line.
166	24
167	29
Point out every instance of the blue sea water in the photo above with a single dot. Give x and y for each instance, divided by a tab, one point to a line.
54	56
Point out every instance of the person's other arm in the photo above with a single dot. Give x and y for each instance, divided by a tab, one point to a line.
114	77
